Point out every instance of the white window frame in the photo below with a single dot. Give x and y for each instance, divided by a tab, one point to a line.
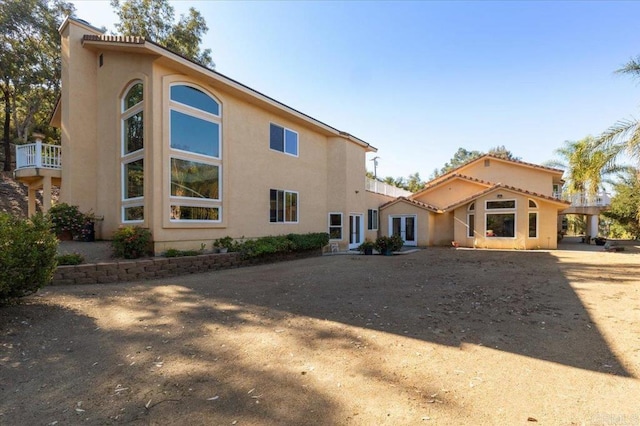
375	219
341	226
510	210
470	233
533	210
284	215
180	154
284	142
127	158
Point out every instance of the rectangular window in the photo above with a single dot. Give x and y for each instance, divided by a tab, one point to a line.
502	204
134	179
501	225
283	140
335	226
133	213
533	225
194	180
133	133
283	206
471	225
193	134
195	213
372	220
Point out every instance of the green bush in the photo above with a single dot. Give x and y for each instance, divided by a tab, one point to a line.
70	259
131	242
282	244
27	255
393	243
181	253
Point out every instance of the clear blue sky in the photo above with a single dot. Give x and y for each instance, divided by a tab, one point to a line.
418	80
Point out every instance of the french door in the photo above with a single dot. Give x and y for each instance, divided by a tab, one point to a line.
356	230
405	226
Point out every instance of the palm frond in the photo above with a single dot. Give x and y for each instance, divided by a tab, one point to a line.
632	67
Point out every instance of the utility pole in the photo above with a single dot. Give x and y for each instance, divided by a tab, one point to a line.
375	167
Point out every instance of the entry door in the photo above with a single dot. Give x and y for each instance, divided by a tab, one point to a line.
356	230
405	226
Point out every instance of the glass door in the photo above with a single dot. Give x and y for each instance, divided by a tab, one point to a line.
356	230
405	226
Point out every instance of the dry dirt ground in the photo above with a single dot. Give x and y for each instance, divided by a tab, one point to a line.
440	336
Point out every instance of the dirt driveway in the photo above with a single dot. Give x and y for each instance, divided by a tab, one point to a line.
441	336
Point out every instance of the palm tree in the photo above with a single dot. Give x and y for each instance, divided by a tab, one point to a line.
624	135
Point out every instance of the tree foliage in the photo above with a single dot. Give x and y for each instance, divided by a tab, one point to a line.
463	156
29	67
155	21
625	204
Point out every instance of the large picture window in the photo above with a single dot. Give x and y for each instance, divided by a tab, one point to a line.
283	206
283	140
195	155
132	153
501	222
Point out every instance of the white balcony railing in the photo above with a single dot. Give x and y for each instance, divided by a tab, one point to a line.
385	189
600	199
38	155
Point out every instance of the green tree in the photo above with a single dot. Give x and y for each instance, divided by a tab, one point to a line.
502	152
414	183
29	66
155	20
625	204
624	135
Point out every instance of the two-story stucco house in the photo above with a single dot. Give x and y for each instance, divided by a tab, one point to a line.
150	138
488	202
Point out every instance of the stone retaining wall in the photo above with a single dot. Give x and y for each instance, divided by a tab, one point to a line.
162	267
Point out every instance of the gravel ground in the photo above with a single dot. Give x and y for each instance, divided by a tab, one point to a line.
440	336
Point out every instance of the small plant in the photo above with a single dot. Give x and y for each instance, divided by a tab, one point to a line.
367	247
131	242
67	218
70	259
27	255
181	253
224	242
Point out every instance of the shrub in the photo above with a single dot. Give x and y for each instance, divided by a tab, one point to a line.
67	218
225	242
393	243
181	253
282	244
27	255
70	259
131	242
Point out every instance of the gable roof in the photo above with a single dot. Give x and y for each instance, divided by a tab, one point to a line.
141	45
496	157
415	203
434	184
500	186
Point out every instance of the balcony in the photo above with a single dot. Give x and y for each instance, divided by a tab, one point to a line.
378	187
38	155
600	199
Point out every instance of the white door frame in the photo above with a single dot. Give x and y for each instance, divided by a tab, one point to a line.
403	227
355	230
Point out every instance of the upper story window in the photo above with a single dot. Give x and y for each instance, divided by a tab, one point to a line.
195	121
283	140
132	157
195	155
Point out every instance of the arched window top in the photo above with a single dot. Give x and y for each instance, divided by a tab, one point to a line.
472	207
133	97
195	98
532	204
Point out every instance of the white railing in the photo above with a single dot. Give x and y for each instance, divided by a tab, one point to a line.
385	189
38	155
600	199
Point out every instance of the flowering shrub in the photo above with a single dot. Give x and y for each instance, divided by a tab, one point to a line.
131	242
68	218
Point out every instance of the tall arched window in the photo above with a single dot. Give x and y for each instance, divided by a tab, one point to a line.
195	155
471	220
132	155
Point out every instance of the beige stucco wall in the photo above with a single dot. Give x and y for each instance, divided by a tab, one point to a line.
328	172
547	224
422	223
516	175
449	192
